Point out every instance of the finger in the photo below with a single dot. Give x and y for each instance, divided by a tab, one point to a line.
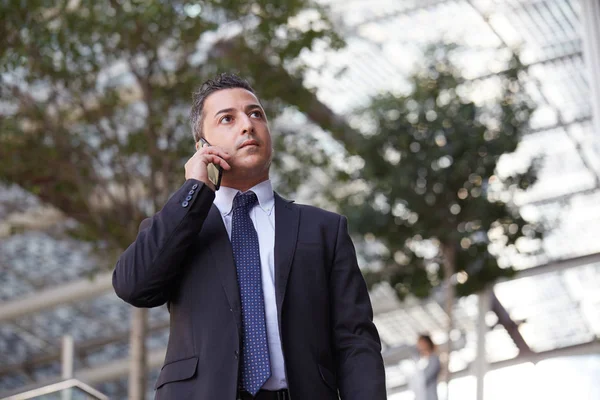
216	151
217	161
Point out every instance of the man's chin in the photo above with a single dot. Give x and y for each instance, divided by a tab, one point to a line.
250	149
250	164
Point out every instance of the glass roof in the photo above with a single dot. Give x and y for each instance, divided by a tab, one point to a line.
385	40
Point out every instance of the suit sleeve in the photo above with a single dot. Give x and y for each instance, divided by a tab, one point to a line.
361	374
146	271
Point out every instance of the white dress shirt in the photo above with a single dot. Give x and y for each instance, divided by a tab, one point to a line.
263	218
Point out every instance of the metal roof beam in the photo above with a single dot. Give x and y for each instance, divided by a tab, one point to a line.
89	288
557	266
550	60
49	298
423	5
564	197
392	304
511	326
584	349
81	349
563	124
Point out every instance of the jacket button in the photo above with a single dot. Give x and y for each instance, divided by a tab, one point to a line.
191	192
195	186
188	198
236	353
184	204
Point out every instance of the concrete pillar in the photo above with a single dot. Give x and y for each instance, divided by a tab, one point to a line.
137	364
480	364
68	355
68	358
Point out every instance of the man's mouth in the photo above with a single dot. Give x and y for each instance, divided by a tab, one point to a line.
249	142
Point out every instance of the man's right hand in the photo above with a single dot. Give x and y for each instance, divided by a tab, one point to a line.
196	167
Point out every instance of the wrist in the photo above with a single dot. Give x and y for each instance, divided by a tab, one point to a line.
200	180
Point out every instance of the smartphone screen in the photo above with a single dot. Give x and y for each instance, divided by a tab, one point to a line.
215	172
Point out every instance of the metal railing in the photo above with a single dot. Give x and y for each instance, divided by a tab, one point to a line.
70	389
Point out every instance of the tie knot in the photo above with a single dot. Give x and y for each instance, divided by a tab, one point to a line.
244	200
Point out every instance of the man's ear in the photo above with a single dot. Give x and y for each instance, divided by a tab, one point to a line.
198	145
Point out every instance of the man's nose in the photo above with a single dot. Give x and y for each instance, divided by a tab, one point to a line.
247	125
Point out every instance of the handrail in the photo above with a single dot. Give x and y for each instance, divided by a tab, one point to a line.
55	387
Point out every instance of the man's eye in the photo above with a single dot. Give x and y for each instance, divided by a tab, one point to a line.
226	119
256	114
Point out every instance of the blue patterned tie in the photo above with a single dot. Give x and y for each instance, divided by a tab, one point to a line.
256	366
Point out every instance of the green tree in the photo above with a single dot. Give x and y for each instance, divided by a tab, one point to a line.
429	190
96	94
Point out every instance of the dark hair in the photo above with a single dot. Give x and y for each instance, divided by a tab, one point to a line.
427	339
220	82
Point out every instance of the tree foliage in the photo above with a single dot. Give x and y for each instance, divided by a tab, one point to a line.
95	94
429	191
95	97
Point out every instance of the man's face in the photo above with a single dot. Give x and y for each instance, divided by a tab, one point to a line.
423	347
234	120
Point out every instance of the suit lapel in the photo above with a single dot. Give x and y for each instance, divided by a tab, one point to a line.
220	246
287	220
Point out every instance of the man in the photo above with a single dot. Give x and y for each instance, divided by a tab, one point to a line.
265	296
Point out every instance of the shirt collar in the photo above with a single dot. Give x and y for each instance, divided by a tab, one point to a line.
264	192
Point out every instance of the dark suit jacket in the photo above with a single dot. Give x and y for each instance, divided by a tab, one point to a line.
183	257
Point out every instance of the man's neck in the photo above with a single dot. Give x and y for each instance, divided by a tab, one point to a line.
243	185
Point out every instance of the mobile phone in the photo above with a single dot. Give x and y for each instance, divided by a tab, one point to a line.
215	172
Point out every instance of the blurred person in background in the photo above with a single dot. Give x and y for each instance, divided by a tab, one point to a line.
423	382
266	297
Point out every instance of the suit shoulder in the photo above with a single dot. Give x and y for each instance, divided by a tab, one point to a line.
309	211
317	212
